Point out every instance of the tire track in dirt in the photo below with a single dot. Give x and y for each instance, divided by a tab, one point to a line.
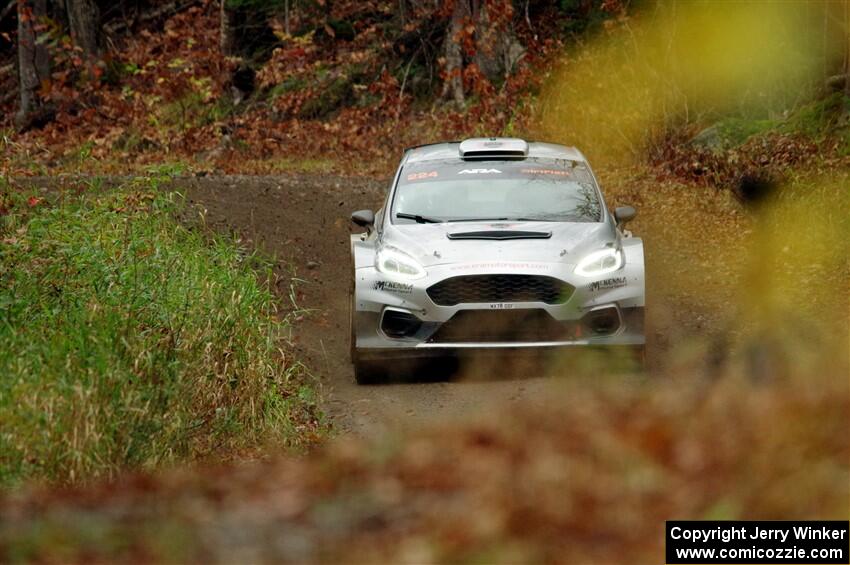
303	221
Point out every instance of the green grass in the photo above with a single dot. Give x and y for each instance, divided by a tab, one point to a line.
131	341
820	117
290	84
168	169
738	130
731	132
195	109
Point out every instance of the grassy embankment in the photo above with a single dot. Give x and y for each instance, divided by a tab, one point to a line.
131	341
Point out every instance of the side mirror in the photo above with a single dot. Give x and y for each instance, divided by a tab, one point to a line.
365	218
624	214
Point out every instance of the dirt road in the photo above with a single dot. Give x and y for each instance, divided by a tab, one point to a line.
303	221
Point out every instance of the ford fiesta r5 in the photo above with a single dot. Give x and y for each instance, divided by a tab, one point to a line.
492	244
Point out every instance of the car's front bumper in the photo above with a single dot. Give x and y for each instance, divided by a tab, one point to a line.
621	293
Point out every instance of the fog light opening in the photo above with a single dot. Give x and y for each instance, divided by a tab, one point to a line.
397	324
605	321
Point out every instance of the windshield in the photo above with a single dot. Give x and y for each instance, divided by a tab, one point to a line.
495	190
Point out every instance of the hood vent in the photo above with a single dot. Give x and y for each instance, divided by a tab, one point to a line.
501	235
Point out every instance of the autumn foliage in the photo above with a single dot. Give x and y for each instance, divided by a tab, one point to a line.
345	86
742	206
362	89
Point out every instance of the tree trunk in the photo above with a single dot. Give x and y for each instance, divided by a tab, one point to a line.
84	21
453	87
228	30
33	62
846	48
497	50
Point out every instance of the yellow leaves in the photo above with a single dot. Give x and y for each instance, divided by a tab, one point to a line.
682	60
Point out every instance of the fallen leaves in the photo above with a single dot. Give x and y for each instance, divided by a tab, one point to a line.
167	92
769	156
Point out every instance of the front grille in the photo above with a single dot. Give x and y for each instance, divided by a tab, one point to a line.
471	326
499	288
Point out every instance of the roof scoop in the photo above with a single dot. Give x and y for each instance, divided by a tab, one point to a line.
501	235
481	148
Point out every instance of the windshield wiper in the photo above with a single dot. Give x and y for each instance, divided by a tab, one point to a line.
417	218
479	220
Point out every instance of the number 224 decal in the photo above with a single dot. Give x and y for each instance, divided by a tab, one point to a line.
420	176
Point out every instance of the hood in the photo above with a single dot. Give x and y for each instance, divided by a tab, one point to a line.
430	244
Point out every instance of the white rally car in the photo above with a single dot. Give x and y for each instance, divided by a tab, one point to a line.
492	244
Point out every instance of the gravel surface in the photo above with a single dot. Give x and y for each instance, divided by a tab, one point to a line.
303	222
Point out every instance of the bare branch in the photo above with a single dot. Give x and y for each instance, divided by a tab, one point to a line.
7	97
7	10
162	11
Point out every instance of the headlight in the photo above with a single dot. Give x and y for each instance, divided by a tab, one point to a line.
600	263
392	261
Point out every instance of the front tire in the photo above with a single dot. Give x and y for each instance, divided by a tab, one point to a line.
639	358
368	372
365	372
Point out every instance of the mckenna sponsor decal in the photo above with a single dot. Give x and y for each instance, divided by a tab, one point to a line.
480	172
607	284
389	286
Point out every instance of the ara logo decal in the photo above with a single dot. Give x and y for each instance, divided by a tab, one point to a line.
607	284
400	288
480	172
